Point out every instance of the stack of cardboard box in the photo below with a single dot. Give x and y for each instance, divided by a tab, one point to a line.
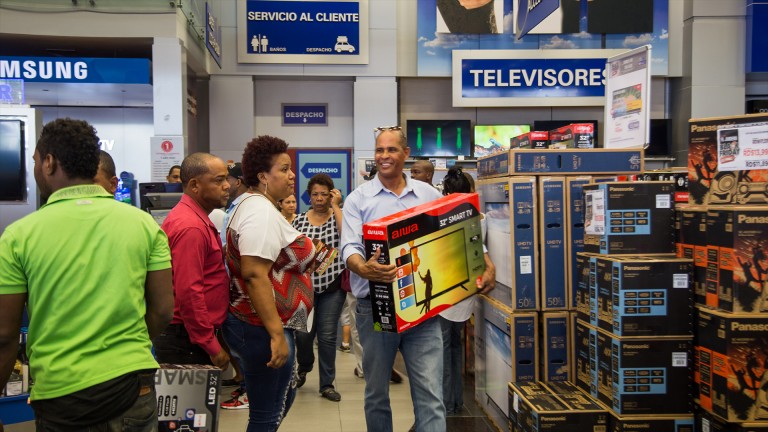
725	229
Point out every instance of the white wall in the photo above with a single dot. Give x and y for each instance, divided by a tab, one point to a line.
130	128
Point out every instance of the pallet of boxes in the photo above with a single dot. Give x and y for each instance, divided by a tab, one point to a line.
725	229
534	212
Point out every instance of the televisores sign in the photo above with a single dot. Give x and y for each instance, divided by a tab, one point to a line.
530	78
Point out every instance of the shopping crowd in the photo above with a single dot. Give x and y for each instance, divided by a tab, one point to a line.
230	278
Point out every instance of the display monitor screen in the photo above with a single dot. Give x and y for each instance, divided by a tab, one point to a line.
492	139
439	138
430	276
12	172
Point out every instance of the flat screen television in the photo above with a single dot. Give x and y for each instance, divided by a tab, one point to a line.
439	138
431	278
159	195
12	173
490	139
548	125
659	138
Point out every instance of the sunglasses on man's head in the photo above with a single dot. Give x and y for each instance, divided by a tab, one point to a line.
377	131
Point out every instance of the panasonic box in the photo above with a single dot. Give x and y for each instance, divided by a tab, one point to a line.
647	296
587	290
708	422
552	240
733	365
574	231
576	135
692	244
554	407
555	347
647	375
585	340
530	140
509	205
628	218
743	268
187	397
727	160
650	423
438	250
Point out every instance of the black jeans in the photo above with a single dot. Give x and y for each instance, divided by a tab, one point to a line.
173	346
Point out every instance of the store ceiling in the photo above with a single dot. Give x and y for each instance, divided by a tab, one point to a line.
65	94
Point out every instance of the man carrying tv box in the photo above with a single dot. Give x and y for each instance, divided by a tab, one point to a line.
388	194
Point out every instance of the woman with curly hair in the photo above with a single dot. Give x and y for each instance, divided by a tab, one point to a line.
271	290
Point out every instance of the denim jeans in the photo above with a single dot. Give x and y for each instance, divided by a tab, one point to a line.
270	391
453	359
327	309
141	417
422	349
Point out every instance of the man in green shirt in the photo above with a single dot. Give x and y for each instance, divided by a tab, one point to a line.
95	275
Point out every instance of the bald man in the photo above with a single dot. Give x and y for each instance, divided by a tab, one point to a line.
422	170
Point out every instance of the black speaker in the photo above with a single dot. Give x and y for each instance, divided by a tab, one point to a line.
659	138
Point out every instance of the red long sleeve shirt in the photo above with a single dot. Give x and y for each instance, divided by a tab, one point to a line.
200	281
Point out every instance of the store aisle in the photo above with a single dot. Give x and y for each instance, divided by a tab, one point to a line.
310	412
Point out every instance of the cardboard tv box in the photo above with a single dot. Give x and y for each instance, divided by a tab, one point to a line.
650	423
438	250
575	135
647	295
555	347
629	218
554	407
733	365
530	140
708	422
574	231
646	375
495	165
742	282
692	244
726	160
554	295
509	205
585	340
597	161
188	397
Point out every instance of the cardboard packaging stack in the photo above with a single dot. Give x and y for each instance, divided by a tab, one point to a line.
724	228
188	397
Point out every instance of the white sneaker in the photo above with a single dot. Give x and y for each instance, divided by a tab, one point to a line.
239	401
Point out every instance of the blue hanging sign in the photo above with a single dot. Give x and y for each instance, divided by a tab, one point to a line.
212	34
305	115
545	78
334	32
76	70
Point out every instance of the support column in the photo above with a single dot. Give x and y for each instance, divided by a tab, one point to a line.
375	105
232	127
169	89
714	50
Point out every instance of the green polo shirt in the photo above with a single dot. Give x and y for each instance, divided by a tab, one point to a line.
82	259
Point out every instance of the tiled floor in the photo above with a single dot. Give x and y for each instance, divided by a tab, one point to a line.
310	412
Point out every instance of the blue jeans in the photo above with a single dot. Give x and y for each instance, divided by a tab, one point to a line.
422	349
327	309
453	359
270	391
141	417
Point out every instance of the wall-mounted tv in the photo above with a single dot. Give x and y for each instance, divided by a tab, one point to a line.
439	138
548	125
490	139
13	176
431	278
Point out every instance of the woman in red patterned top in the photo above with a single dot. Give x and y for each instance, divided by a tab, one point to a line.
271	291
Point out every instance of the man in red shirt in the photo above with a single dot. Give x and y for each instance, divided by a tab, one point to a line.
200	281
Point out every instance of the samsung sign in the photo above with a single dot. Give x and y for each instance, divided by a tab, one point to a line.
75	70
530	78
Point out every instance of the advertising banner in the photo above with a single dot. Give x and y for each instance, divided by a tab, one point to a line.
76	70
742	148
529	77
320	32
532	13
337	163
627	99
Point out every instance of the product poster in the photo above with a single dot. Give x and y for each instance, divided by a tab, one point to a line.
594	212
742	148
165	153
627	102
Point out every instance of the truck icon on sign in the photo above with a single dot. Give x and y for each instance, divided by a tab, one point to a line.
342	45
